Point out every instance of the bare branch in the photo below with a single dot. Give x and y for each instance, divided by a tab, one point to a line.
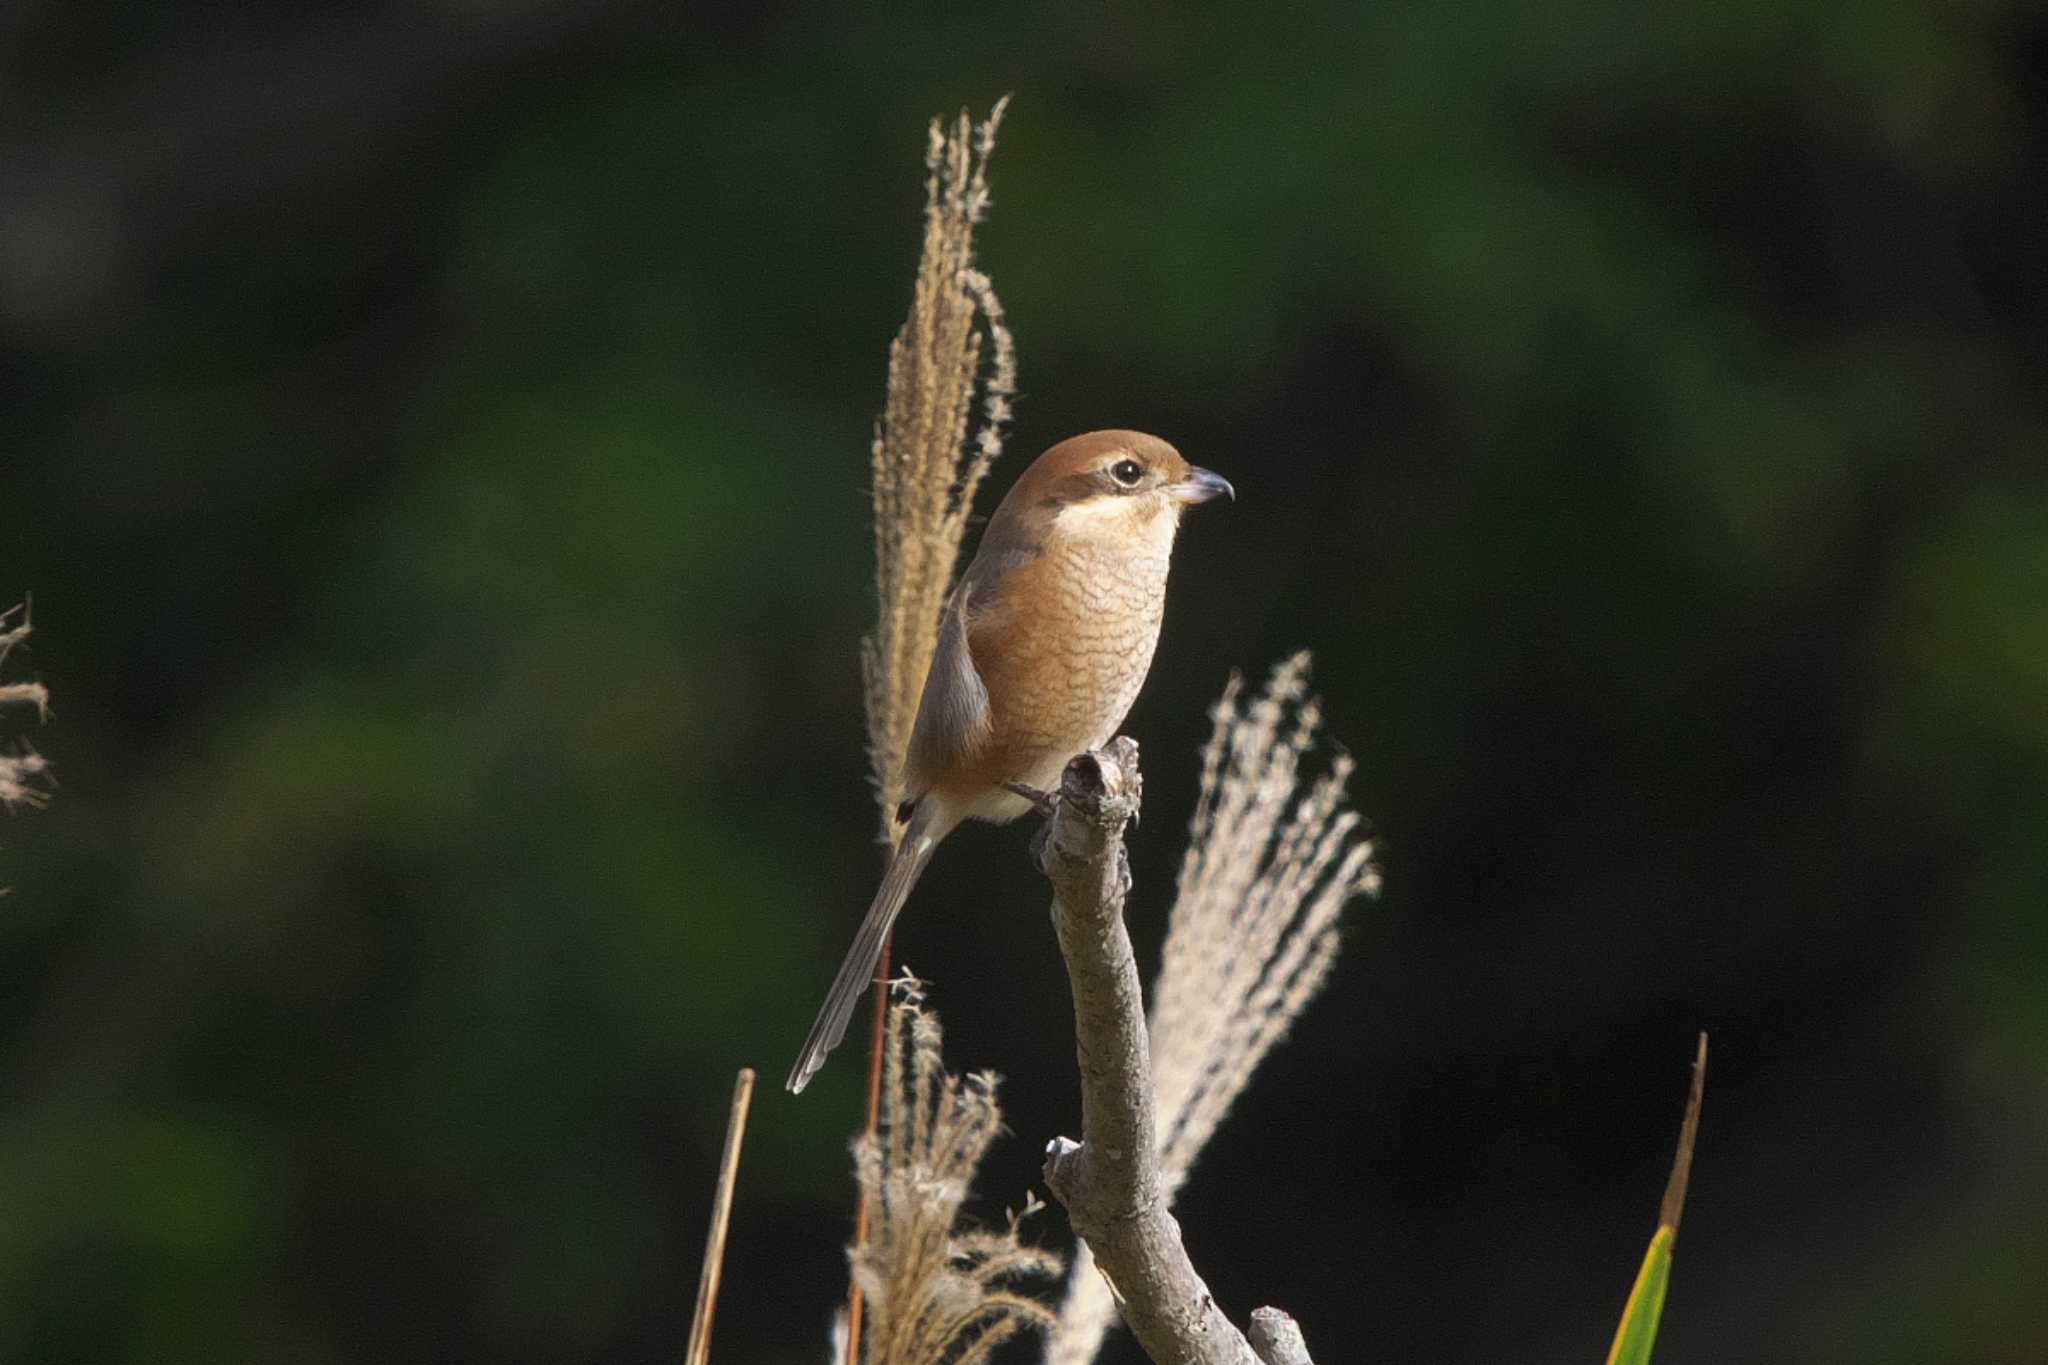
1273	858
1277	1338
1110	1182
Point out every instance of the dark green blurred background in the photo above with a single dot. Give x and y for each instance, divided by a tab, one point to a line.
436	444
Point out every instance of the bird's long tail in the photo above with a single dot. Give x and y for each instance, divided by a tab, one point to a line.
906	865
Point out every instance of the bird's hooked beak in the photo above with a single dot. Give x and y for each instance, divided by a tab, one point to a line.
1199	486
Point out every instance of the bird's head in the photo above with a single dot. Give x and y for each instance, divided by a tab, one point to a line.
1110	484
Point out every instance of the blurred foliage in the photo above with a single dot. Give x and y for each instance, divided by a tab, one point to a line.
436	448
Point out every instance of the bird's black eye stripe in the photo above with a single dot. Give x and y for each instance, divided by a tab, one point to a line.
1127	472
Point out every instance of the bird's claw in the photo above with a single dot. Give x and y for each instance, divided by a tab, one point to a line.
1045	803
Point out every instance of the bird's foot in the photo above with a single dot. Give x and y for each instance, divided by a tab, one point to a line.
1045	803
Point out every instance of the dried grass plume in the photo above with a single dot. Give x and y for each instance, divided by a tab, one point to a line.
1271	863
936	1291
22	769
931	450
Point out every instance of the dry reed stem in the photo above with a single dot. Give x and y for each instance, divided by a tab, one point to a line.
1271	863
709	1277
22	770
936	1291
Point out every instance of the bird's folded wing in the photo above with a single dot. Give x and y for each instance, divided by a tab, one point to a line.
953	715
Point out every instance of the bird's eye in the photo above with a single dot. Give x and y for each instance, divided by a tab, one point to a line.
1127	472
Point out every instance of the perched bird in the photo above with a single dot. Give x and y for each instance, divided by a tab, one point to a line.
1044	645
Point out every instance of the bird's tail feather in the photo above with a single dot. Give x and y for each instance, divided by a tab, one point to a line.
906	865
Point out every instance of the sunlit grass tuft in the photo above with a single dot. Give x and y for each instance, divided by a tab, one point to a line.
22	769
936	1290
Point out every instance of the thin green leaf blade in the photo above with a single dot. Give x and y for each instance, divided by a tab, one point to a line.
1637	1334
1638	1330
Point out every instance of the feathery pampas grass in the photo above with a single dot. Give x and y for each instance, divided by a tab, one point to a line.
936	1292
929	454
21	770
1271	864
